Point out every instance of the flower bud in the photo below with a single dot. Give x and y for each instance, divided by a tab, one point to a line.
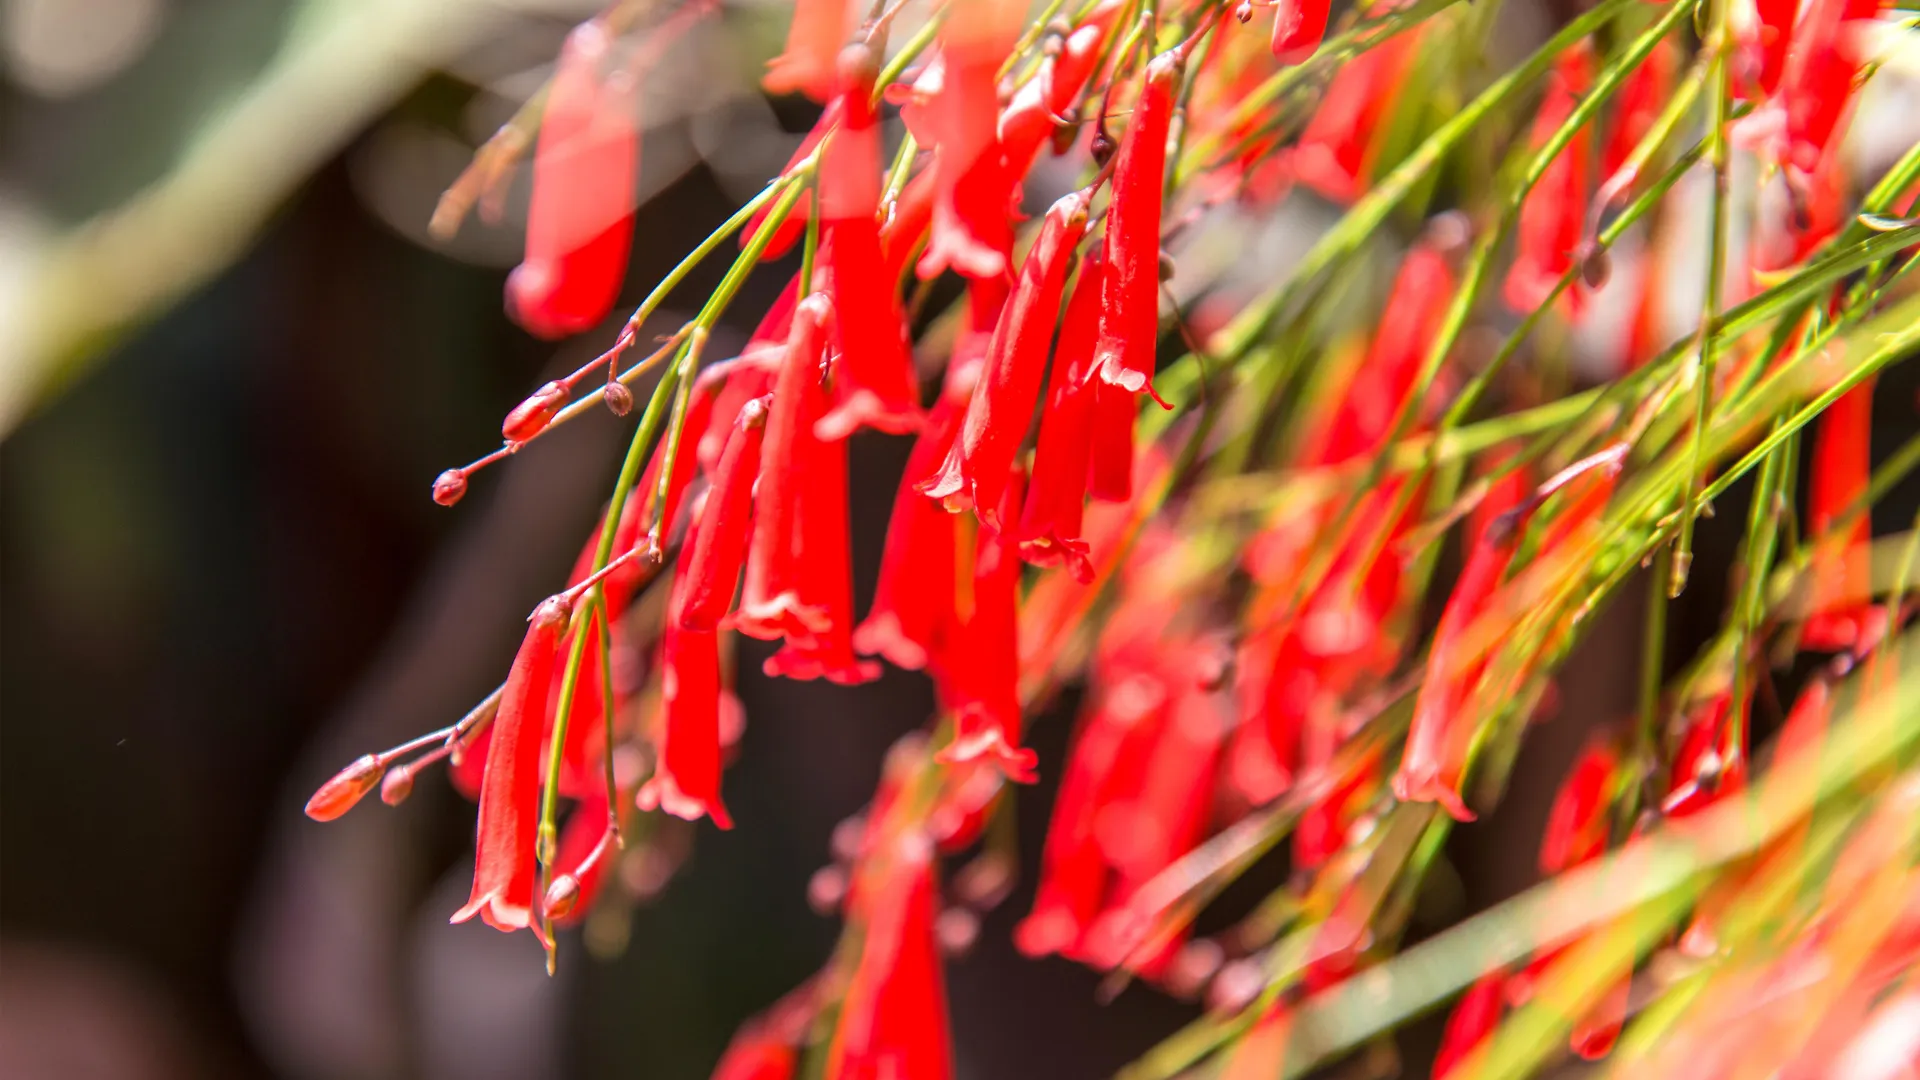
1102	148
552	612
956	929
450	487
397	786
1065	134
826	889
619	399
1596	266
530	417
348	786
561	896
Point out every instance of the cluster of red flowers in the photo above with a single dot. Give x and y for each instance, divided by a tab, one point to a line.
1234	662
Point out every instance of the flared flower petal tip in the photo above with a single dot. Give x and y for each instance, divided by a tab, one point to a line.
661	793
495	912
882	635
1018	764
1427	787
1046	932
865	409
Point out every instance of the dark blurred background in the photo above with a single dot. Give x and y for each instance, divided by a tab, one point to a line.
223	579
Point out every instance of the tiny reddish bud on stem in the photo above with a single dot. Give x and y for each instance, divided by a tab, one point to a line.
397	785
562	894
348	787
530	417
450	487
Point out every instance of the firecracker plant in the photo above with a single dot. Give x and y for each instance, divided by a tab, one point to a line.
1220	506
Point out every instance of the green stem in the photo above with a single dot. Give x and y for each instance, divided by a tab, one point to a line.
607	706
637	452
1717	104
1653	660
1473	278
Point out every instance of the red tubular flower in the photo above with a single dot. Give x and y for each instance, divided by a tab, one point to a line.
757	1053
1334	152
1261	1054
1169	815
1642	98
686	782
718	549
893	1021
912	616
1324	826
975	472
579	223
983	680
798	582
1110	443
1818	80
1470	1024
1553	216
972	228
1028	123
1437	743
1762	32
1298	28
1130	288
1165	817
1275	688
874	383
819	29
772	602
1051	522
1117	732
1415	309
1842	613
1711	759
1593	1037
504	870
1580	820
